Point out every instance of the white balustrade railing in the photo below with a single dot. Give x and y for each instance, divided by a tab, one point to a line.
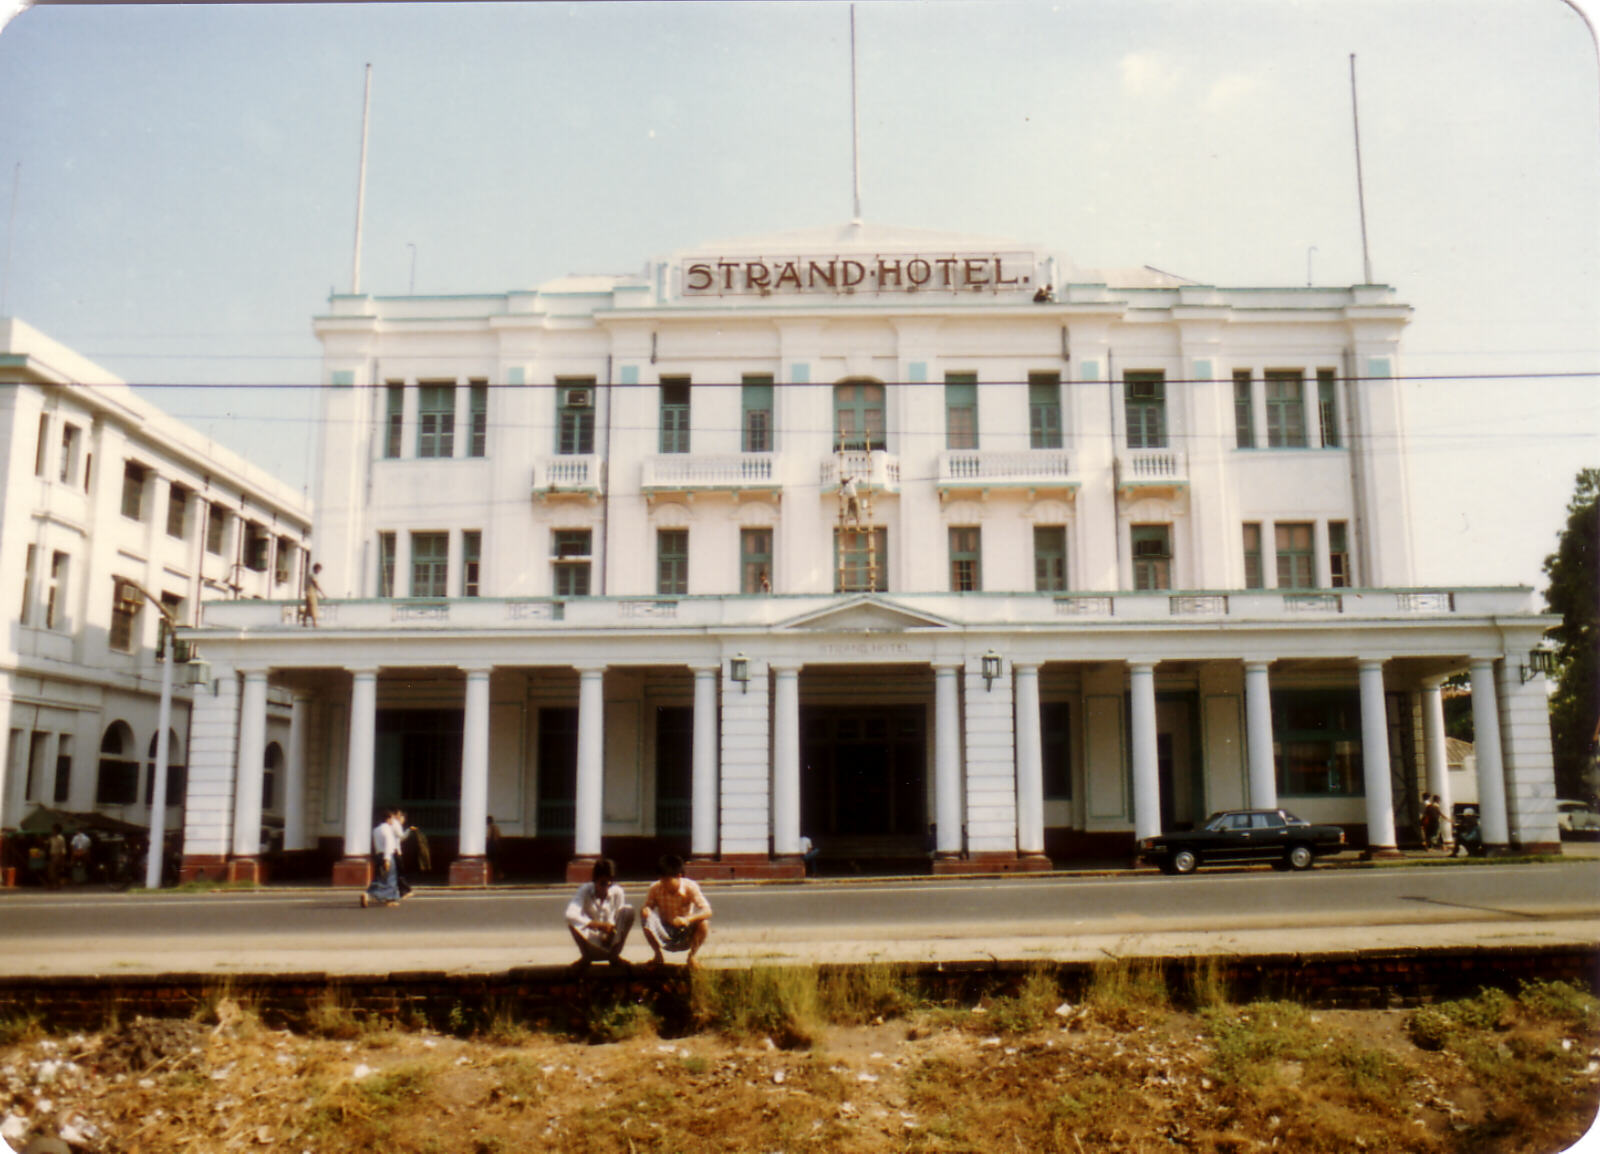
1151	465
878	469
1018	467
709	470
576	474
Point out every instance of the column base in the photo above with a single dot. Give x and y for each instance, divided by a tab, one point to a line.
203	867
581	868
470	871
1381	853
252	871
746	866
1542	847
992	863
352	873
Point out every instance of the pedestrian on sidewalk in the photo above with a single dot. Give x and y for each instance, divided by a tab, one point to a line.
675	912
56	857
386	882
600	918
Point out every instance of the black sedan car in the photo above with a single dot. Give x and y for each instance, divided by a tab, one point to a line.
1244	835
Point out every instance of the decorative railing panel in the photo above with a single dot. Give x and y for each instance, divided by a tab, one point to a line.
878	469
1313	603
1019	467
1083	606
710	471
572	474
1426	602
1151	467
1198	605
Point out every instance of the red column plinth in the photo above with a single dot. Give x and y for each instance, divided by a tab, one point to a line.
741	866
203	867
247	869
352	873
470	871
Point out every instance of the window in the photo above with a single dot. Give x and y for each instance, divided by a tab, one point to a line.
672	561
966	559
1152	556
63	782
133	478
1049	558
1056	746
173	604
436	419
1338	555
858	416
1253	576
38	747
257	546
71	438
394	418
574	416
118	780
283	566
217	530
478	403
1328	407
674	414
756	406
674	770
55	598
1286	410
1244	436
386	561
177	772
1317	742
471	561
755	560
1144	400
861	560
570	568
961	410
271	767
430	564
1297	568
1044	410
177	511
558	770
41	448
125	610
27	584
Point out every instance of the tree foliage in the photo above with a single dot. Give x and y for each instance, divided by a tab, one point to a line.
1574	593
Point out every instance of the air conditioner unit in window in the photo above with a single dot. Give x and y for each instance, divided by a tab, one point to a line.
576	398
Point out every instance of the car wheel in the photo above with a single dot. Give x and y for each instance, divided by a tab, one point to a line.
1185	861
1300	857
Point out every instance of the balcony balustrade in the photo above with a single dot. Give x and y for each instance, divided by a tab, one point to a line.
709	472
877	469
1151	468
574	475
966	469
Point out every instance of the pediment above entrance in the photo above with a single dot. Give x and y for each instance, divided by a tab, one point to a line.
864	615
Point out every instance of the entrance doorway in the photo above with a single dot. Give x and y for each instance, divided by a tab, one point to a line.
1178	761
863	787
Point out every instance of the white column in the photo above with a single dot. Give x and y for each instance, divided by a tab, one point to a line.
1030	762
591	761
1146	770
247	769
294	774
1375	758
1434	745
947	759
786	760
475	766
703	843
358	819
1258	735
1486	744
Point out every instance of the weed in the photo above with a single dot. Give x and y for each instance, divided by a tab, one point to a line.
1560	1002
1206	983
1124	992
1377	1078
858	994
1488	1010
780	1002
402	1085
694	1065
504	1027
619	1021
20	1029
1032	1007
1430	1028
1249	1042
330	1016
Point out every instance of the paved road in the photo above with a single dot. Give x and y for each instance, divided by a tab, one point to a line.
1244	911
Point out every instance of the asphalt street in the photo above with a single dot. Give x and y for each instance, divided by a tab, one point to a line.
1060	917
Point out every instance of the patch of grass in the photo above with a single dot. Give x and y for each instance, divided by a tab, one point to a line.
21	1028
398	1087
783	1003
1378	1080
1032	1007
1560	1002
694	1065
618	1021
1125	992
1250	1042
856	995
504	1027
1206	983
330	1016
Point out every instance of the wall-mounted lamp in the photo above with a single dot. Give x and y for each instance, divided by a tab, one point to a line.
739	670
991	669
1539	661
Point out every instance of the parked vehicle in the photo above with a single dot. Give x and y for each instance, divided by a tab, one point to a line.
1244	835
1577	819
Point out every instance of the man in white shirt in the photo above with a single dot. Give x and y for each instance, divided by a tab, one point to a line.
599	918
385	885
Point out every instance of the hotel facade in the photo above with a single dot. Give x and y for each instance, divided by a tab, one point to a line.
922	546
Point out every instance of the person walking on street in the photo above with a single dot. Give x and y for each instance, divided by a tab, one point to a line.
599	918
385	887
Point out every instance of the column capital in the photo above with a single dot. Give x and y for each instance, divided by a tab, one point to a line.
951	665
785	668
1478	660
1142	664
1370	662
256	672
1258	662
590	668
363	670
705	668
476	670
1028	667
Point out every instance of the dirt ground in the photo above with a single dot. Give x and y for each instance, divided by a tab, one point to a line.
989	1078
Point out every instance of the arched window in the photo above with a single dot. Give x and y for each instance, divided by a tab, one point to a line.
270	768
118	780
177	772
858	416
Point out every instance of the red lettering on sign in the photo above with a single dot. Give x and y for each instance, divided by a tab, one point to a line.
854	273
789	275
824	274
888	272
755	274
696	272
727	267
918	272
946	263
976	270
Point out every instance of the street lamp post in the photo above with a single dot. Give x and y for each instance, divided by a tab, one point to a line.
156	854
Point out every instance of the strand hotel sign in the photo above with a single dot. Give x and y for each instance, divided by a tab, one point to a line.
839	274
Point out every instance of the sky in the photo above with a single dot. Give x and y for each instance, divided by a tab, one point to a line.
178	182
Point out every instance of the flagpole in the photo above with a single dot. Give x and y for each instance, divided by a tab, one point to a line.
1361	195
361	185
855	121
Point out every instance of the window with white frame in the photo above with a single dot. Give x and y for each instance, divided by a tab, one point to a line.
672	561
471	562
1286	409
1297	562
966	559
674	414
1145	407
430	564
1049	558
570	559
574	416
134	476
1152	556
436	419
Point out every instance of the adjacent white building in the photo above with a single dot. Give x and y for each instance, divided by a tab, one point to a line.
109	506
860	534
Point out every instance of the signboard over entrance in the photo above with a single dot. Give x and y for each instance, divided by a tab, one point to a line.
832	275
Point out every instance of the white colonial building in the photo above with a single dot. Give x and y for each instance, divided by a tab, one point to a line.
111	514
867	536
